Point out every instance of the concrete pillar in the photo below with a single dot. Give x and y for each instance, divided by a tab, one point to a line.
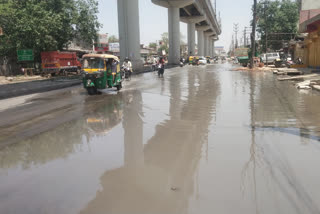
213	51
129	31
206	45
174	35
209	47
200	42
191	38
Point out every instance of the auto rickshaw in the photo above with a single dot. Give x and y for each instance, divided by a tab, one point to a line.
99	72
195	60
190	59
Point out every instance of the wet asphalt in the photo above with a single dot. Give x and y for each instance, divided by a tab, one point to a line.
200	140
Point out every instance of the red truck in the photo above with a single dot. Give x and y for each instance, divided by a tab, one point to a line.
55	62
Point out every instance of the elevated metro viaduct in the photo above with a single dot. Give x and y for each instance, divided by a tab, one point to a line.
198	14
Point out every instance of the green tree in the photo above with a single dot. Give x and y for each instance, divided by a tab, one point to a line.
153	45
113	39
165	42
45	25
277	17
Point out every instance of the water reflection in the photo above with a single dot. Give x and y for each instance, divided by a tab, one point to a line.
161	175
95	117
268	158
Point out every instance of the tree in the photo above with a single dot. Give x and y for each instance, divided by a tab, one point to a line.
277	17
153	45
113	39
46	25
164	43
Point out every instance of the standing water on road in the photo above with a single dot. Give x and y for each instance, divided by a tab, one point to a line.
200	140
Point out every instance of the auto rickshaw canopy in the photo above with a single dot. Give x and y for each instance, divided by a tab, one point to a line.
102	56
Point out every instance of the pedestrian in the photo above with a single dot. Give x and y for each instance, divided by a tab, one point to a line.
23	71
114	64
161	66
154	63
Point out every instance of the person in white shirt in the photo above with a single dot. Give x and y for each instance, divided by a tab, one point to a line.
127	64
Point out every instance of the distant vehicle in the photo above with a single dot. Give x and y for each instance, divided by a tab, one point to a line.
272	57
190	60
195	60
55	62
202	60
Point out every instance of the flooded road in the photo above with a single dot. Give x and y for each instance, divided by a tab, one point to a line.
200	140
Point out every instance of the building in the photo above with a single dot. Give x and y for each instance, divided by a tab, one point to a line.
219	50
310	24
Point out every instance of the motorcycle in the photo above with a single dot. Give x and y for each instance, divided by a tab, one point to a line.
284	61
181	64
126	73
160	70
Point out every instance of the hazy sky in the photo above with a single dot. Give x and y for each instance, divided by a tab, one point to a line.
154	19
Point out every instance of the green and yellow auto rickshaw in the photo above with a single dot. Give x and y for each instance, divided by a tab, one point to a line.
101	71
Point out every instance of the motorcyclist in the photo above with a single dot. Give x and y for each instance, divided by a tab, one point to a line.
127	64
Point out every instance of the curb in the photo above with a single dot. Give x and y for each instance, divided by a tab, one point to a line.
39	89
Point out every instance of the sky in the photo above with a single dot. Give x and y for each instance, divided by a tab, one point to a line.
154	19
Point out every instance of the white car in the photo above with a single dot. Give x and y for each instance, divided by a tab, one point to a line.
202	61
271	58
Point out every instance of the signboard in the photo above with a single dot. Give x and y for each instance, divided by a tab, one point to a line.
114	47
101	49
103	38
25	55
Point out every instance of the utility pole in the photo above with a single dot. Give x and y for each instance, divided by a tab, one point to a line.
245	37
236	29
253	34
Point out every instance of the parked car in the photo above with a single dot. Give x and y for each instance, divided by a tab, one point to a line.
272	57
202	60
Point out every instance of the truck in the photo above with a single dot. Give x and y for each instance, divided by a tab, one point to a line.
242	56
56	62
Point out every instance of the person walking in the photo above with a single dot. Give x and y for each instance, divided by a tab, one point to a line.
161	66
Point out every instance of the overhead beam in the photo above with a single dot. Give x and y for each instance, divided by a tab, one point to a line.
193	19
173	3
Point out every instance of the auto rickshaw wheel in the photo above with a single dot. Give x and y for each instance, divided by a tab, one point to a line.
92	90
119	87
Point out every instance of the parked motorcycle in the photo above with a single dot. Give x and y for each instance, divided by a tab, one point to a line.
283	62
